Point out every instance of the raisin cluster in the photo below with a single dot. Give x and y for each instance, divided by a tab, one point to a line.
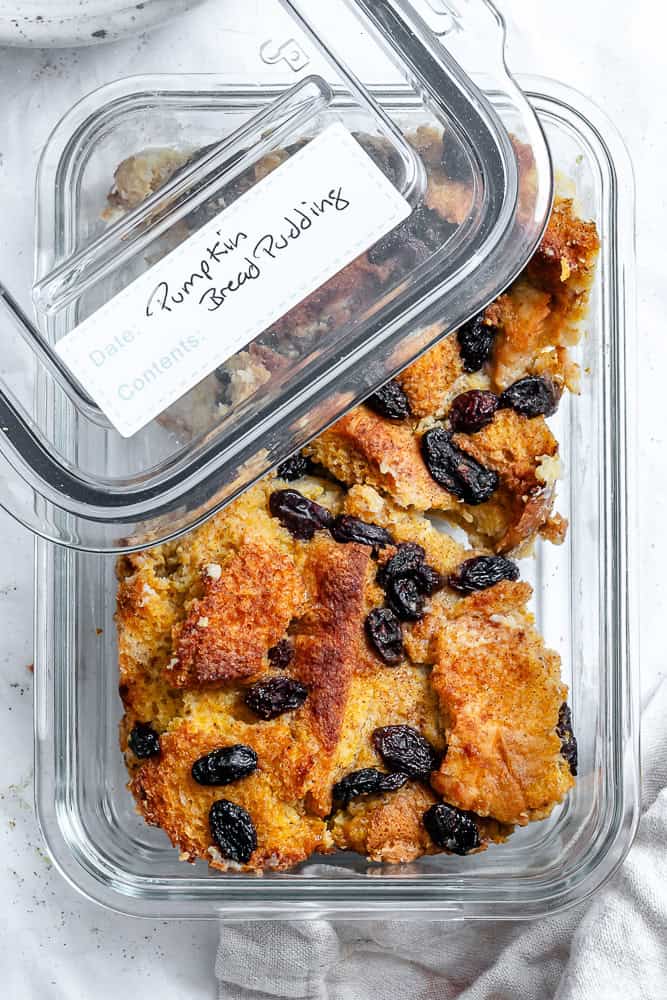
532	396
295	467
404	751
383	155
472	411
413	241
367	781
568	749
281	655
303	517
347	529
407	580
384	632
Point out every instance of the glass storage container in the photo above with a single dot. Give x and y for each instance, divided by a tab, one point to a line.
583	603
74	473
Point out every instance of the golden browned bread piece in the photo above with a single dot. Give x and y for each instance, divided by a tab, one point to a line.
500	690
316	594
524	453
329	647
158	587
141	175
540	315
168	796
390	828
365	448
568	251
432	381
248	603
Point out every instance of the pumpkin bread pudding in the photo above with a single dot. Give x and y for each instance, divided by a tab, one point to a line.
319	667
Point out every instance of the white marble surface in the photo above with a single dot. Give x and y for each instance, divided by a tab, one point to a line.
53	944
80	22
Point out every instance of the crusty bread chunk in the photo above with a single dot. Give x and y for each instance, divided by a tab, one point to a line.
500	692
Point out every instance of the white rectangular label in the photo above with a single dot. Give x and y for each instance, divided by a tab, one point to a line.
232	279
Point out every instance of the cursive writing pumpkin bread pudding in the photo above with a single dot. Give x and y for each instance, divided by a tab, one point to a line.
318	667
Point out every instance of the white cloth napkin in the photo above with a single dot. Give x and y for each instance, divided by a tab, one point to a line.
612	946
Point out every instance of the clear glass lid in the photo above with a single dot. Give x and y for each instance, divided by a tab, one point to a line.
224	267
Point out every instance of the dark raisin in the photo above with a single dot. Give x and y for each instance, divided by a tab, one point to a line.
385	635
532	396
296	147
143	741
392	782
411	253
409	557
452	829
391	245
410	561
221	767
569	749
241	184
364	782
233	831
382	154
414	240
390	401
457	471
402	245
404	749
482	572
295	468
405	598
301	517
431	228
271	698
473	410
429	579
368	781
351	529
476	340
281	655
224	381
455	160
